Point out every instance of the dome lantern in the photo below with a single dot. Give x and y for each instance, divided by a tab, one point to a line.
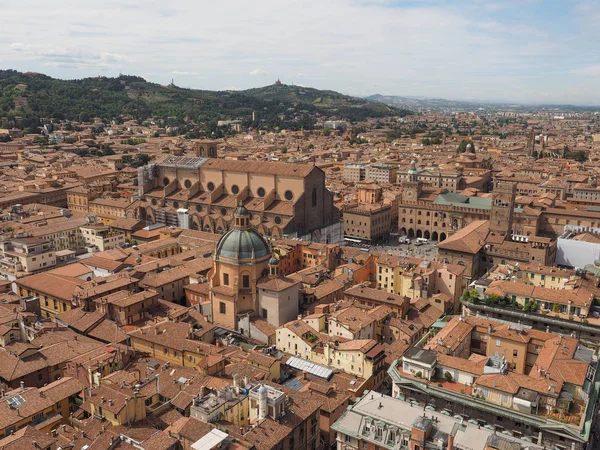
273	266
242	242
242	217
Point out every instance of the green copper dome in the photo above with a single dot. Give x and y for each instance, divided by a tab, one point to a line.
242	244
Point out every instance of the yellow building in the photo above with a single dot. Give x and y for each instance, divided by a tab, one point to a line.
363	357
55	292
171	342
227	405
419	278
266	363
547	277
116	405
109	209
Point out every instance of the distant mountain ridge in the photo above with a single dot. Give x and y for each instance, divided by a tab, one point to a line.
419	103
33	94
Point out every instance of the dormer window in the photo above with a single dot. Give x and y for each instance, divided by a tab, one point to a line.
391	439
367	429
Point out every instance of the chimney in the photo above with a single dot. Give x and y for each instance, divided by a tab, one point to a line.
450	442
22	385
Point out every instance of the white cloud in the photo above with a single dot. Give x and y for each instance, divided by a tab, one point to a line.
69	57
431	48
259	72
185	74
19	46
589	71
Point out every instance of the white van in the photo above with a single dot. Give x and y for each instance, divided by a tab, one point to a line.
403	240
422	240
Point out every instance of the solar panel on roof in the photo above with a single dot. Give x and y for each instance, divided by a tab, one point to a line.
16	401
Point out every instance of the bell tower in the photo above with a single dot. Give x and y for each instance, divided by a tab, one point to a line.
503	203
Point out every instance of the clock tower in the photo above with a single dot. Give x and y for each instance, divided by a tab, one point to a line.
411	189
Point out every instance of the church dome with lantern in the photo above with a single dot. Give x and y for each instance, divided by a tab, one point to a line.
242	241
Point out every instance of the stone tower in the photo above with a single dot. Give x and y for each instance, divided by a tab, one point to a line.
205	148
411	189
503	202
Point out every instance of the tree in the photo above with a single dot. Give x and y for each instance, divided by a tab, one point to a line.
494	299
578	156
448	377
284	150
470	295
326	131
33	129
83	152
141	159
530	306
42	140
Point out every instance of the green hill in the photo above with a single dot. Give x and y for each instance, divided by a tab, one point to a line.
130	96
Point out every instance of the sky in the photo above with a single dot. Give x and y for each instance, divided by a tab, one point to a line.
522	51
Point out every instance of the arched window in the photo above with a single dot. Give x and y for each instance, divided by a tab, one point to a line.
314	197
